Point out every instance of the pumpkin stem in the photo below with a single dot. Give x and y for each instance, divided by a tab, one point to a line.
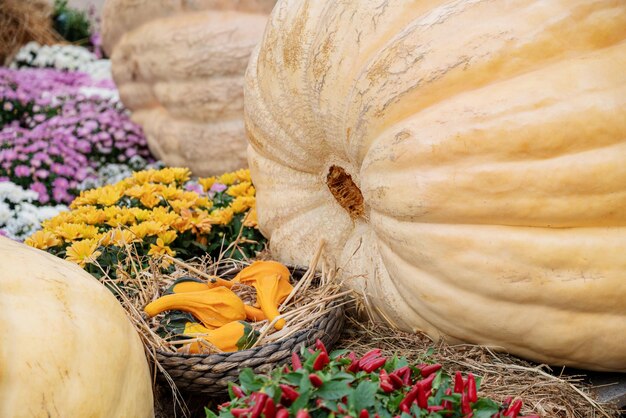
345	191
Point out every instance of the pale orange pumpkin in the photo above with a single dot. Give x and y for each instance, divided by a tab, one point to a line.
465	162
179	68
67	347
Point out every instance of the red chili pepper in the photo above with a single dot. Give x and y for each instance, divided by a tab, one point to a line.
354	366
270	408
224	405
422	397
448	392
237	412
303	413
507	401
237	391
295	361
282	413
370	355
471	388
320	346
434	408
364	414
405	408
289	393
465	405
458	383
428	370
447	405
396	381
321	361
315	380
409	398
374	364
385	381
428	382
387	387
260	400
514	409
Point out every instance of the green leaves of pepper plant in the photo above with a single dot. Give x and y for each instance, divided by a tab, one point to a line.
342	385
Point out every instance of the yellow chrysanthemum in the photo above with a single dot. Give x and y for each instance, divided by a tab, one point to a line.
242	204
222	216
148	228
42	240
83	252
243	175
121	217
207	182
242	189
142	177
118	237
171	175
72	232
180	205
61	219
227	178
250	220
148	194
161	249
168	237
172	193
163	215
109	195
90	215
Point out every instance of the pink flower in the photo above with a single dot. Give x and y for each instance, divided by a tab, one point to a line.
22	171
41	189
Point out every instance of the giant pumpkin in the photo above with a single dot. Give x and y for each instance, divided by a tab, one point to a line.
465	162
67	348
179	68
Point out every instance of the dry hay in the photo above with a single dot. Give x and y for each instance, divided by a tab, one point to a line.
22	21
503	375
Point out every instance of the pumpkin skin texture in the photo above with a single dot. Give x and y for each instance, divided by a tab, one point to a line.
67	348
469	178
179	68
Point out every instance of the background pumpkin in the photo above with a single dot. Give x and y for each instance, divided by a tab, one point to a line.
469	177
67	348
179	67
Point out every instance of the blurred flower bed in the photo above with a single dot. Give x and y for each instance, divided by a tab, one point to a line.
62	131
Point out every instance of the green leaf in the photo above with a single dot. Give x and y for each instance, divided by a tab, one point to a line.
363	396
333	390
304	388
209	413
249	337
485	408
249	381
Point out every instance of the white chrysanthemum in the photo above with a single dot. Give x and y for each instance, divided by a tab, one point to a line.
5	213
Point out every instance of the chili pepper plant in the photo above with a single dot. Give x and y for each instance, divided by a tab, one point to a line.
339	384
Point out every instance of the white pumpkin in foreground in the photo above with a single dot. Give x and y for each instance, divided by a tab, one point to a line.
67	348
465	162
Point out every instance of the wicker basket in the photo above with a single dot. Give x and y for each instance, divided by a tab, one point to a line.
210	373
